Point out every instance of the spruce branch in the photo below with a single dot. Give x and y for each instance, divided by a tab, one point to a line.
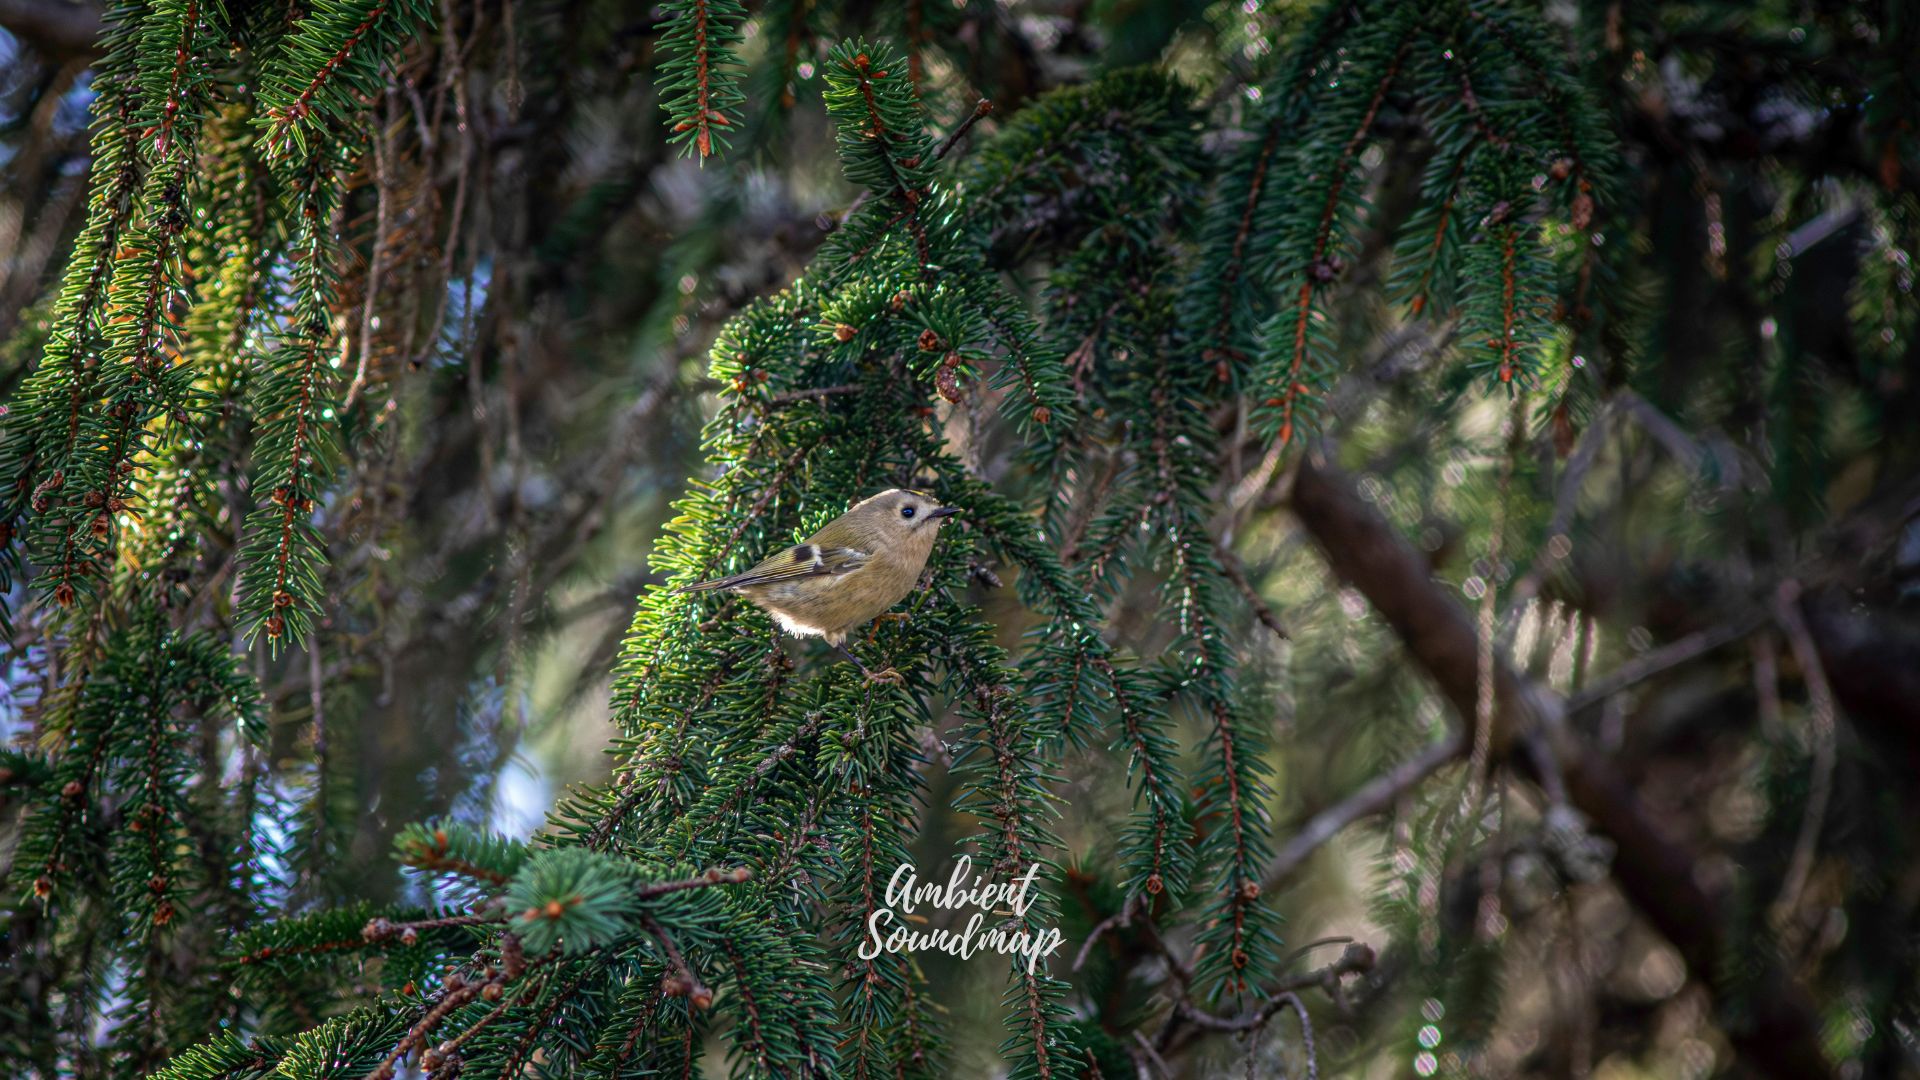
698	77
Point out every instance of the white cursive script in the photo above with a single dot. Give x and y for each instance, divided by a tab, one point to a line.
907	892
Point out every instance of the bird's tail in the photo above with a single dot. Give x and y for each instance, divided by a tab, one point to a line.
709	585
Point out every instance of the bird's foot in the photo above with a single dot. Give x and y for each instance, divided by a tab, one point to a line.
885	675
873	628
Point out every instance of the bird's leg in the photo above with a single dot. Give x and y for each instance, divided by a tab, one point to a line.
885	675
886	616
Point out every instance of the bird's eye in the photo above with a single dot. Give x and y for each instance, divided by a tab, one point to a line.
906	511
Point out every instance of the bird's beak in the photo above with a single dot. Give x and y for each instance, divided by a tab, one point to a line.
944	512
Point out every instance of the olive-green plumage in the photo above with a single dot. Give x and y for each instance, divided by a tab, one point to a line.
844	576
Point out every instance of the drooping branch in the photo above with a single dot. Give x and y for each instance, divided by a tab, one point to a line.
1780	1036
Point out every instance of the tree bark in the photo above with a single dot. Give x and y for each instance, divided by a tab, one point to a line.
59	28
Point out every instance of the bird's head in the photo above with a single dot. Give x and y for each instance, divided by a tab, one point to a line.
900	516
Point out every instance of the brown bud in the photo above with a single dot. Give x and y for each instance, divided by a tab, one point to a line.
1250	890
947	381
701	998
1582	211
1155	886
409	936
1042	415
276	627
96	499
282	598
63	594
675	985
493	992
1563	432
72	789
1239	959
102	524
1561	169
163	914
843	333
555	909
43	887
900	300
930	341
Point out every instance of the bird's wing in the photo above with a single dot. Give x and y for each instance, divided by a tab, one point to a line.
798	561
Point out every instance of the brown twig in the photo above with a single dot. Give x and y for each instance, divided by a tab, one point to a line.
1236	572
790	396
695	990
1821	713
1370	798
1118	920
980	109
380	929
1357	959
715	876
1647	665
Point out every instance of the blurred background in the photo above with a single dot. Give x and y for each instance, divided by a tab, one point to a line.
552	271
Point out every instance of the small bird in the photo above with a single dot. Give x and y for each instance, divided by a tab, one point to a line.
846	575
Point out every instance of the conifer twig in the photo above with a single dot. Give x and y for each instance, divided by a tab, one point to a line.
980	109
812	393
1236	572
380	929
1370	798
1647	665
693	989
714	876
1821	716
1119	919
1357	959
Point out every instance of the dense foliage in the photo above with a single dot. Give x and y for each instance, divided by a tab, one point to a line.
1609	305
